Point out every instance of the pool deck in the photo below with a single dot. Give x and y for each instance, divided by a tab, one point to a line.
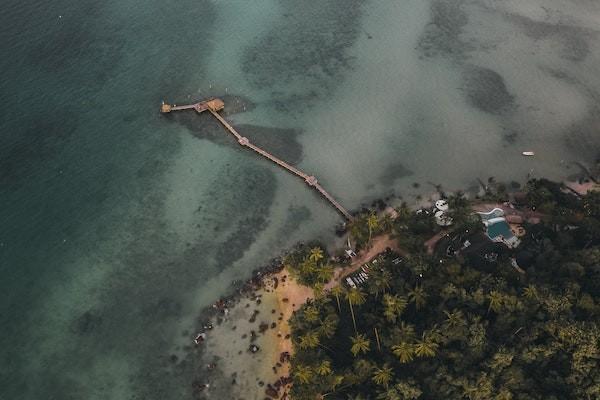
532	217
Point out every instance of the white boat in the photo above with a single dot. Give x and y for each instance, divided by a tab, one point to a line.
528	153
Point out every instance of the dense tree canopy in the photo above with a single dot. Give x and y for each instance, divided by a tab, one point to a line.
437	327
310	265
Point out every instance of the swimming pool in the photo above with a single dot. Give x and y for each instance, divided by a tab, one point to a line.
499	228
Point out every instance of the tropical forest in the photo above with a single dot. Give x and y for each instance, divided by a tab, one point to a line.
467	319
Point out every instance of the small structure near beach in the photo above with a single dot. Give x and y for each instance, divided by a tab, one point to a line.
498	229
441	213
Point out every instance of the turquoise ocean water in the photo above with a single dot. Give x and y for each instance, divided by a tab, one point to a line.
117	225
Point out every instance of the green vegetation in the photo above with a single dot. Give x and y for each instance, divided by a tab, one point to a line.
309	265
367	225
445	329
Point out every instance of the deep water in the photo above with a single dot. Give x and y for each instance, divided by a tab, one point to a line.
117	224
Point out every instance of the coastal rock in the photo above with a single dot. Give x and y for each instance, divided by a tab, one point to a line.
262	328
87	323
272	392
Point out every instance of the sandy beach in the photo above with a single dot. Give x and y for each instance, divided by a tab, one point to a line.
260	319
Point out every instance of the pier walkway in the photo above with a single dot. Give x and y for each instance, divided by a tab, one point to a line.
215	105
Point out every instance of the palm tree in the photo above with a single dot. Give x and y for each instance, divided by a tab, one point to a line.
311	313
307	268
379	281
387	223
372	224
382	376
406	332
418	296
495	298
360	344
303	373
394	306
389	394
404	212
319	290
426	347
328	326
361	370
355	296
356	230
357	396
530	292
502	359
334	382
316	254
455	319
324	368
325	273
309	340
404	351
337	291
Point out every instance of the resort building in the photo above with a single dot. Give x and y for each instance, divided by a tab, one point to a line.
441	213
498	229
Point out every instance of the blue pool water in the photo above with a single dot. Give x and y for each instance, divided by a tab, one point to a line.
499	228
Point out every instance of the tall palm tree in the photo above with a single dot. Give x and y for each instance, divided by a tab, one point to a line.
337	291
319	290
530	292
356	229
325	273
309	340
404	212
372	224
316	254
303	373
357	396
307	268
387	223
455	319
406	332
426	347
383	376
334	382
311	313
389	394
328	326
355	296
404	351
324	368
361	370
495	299
360	344
418	296
502	359
379	281
394	306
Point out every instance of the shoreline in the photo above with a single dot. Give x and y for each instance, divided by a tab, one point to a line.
259	312
276	293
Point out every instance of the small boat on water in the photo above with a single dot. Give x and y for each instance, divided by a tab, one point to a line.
528	153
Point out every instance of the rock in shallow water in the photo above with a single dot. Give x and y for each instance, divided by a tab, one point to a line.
485	89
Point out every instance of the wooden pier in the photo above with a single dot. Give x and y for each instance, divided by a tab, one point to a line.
214	105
